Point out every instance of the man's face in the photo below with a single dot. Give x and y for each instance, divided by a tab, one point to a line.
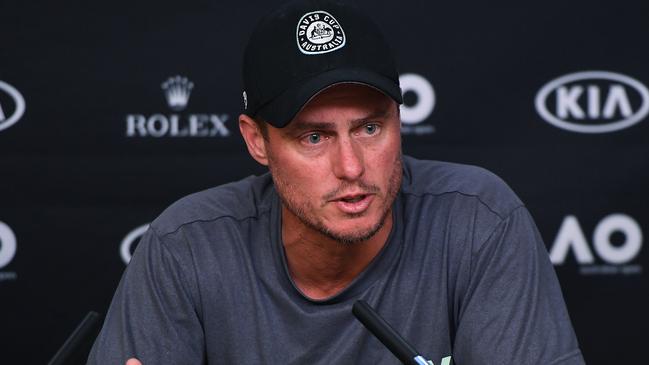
337	165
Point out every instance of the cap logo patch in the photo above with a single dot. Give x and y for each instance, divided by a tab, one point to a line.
319	32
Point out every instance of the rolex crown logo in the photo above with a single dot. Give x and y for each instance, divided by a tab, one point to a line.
177	91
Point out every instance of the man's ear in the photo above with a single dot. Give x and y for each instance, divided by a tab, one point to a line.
254	139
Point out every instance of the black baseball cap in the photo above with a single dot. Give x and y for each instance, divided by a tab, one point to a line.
306	46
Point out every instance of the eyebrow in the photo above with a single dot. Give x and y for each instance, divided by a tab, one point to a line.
299	126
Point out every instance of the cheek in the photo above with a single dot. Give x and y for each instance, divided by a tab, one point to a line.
301	179
384	157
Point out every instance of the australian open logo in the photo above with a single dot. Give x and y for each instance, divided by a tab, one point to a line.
319	32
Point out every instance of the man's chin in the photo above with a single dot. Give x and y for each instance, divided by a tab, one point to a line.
354	234
344	228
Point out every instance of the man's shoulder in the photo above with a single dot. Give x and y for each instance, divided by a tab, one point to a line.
425	177
240	200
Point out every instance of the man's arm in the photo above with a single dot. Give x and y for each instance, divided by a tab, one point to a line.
513	311
152	316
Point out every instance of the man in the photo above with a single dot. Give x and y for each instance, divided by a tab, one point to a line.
265	270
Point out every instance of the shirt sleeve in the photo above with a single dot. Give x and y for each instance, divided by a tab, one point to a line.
152	316
513	311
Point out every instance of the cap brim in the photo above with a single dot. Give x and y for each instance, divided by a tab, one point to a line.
283	109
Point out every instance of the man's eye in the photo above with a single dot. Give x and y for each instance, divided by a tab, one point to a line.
371	128
314	138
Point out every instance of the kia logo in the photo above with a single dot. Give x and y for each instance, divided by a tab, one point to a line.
7	119
593	102
126	249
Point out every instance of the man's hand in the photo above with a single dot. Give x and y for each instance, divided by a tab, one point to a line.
133	361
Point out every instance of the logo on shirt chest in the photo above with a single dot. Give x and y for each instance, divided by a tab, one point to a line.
445	361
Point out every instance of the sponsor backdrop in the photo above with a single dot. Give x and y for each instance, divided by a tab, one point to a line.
110	112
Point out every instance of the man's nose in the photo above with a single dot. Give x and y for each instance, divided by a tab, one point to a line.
348	162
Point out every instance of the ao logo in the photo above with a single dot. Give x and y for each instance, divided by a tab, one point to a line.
571	236
7	245
593	102
7	121
425	104
127	242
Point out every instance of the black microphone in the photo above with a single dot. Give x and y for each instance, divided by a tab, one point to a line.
386	334
79	342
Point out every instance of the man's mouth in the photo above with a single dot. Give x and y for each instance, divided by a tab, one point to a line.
354	198
354	203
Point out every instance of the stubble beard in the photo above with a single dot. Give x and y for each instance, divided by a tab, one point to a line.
302	210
